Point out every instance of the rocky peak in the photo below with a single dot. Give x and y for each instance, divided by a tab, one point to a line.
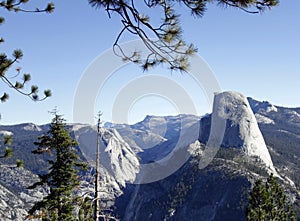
116	156
264	106
241	128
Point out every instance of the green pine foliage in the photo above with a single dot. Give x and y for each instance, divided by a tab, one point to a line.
165	40
8	68
7	139
63	175
268	201
86	210
8	151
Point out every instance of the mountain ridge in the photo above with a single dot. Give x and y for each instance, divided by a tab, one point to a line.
166	133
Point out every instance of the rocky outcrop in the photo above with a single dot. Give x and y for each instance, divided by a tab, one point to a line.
234	124
217	191
15	198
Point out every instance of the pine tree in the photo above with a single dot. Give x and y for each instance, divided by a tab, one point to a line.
164	40
62	178
7	62
267	201
7	140
8	151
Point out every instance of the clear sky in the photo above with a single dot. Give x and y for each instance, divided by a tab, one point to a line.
257	55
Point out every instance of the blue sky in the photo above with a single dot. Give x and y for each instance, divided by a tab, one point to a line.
257	55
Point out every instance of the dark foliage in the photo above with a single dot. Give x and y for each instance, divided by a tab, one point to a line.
63	175
268	201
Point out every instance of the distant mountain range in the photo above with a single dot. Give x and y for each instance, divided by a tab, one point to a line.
181	167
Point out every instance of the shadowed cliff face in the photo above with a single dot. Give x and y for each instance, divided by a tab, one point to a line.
190	194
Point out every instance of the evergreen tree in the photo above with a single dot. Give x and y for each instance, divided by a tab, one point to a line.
267	201
164	40
7	63
86	210
62	178
8	151
7	140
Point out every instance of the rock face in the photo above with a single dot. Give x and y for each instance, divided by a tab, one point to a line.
10	206
118	162
139	139
258	107
232	112
216	192
286	117
118	158
15	198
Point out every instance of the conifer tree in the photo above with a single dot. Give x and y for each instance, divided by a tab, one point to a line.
8	151
164	39
7	63
268	201
62	178
86	210
7	140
